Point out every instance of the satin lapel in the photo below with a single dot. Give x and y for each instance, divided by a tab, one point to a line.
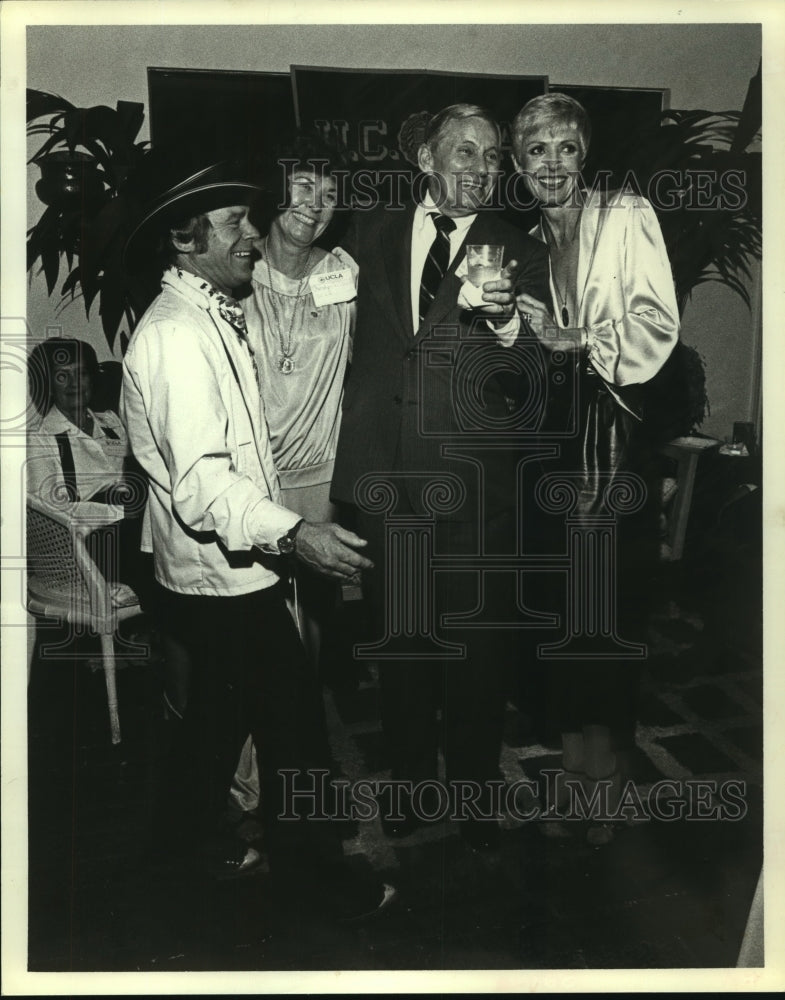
539	234
589	234
395	267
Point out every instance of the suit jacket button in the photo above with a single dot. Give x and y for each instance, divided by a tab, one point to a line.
398	400
410	355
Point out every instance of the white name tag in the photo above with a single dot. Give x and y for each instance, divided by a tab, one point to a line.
112	446
332	286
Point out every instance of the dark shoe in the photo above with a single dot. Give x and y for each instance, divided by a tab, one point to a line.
250	829
362	901
480	836
337	892
236	860
250	862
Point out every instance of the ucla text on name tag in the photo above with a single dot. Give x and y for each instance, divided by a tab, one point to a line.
332	286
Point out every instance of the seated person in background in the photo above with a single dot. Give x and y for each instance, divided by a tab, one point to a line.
76	457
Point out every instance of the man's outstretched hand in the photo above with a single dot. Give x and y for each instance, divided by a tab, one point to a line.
331	550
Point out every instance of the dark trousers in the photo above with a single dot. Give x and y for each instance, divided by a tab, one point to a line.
248	674
470	691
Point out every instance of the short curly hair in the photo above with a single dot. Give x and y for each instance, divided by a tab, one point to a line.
50	354
302	151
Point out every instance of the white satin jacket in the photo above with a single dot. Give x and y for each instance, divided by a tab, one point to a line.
625	293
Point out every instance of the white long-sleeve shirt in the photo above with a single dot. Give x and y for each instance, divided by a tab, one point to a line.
98	464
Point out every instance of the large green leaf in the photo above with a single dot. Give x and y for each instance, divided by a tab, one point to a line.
103	158
74	127
111	222
96	233
751	114
50	261
108	127
44	232
41	128
716	232
131	115
70	283
90	287
54	140
40	103
112	304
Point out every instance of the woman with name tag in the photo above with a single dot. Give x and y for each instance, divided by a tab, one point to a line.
300	318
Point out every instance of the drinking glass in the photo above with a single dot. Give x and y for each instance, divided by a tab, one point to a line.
484	263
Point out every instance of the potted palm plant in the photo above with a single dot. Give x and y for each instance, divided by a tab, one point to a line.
709	204
710	197
84	159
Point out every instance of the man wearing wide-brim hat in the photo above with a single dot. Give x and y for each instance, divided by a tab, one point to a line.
221	540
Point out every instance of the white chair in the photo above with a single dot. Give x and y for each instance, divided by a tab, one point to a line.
65	583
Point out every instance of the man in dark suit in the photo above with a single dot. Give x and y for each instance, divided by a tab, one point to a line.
428	373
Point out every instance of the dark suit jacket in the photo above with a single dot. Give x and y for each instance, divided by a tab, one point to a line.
410	399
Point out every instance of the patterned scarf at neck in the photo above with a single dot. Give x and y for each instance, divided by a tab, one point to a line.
232	313
231	310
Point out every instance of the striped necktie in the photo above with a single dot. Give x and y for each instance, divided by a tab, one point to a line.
437	261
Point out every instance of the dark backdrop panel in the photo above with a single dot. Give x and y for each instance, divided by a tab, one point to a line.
617	115
378	115
347	100
226	113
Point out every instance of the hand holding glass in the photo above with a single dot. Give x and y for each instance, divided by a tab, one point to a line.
483	263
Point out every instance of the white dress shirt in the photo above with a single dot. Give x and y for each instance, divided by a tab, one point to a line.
98	464
423	235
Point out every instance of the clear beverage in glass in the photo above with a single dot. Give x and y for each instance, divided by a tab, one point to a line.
484	263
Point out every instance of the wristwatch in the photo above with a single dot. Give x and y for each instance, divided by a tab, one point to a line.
287	543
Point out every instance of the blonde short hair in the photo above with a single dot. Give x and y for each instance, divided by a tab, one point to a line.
550	110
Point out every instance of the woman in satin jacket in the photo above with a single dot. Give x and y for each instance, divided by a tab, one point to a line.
616	323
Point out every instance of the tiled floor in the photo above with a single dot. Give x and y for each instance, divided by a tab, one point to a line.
662	895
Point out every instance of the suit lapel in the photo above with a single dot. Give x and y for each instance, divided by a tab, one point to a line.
396	258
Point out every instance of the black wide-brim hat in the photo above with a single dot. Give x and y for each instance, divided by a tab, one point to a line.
168	189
